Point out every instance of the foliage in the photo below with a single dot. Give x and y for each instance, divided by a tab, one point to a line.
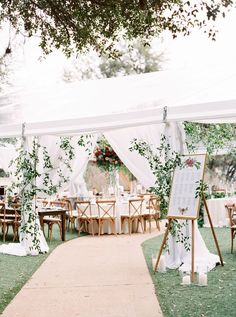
134	58
202	188
212	137
224	166
162	162
4	141
177	300
79	25
2	173
27	173
218	194
106	158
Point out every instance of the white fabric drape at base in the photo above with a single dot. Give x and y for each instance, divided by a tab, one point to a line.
178	257
13	249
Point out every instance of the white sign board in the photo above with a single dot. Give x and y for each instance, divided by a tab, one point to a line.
186	179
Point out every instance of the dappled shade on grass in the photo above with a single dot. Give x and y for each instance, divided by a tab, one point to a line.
216	300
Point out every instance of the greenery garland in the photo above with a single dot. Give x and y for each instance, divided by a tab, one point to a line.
27	173
212	136
163	162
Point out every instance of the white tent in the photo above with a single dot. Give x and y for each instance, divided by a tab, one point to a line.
143	102
102	105
130	106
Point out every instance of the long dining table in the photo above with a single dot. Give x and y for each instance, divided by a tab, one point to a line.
48	211
218	212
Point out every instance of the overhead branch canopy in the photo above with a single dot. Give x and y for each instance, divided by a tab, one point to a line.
76	26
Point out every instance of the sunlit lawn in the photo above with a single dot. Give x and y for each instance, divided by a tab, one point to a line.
16	270
218	299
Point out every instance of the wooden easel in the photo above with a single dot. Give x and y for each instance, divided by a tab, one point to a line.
192	248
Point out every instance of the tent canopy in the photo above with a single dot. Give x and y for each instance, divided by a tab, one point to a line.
102	105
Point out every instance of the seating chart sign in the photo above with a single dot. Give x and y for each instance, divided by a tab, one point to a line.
186	179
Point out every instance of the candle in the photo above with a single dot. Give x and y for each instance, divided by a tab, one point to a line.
202	279
186	280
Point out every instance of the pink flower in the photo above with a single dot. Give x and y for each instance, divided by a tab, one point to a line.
189	162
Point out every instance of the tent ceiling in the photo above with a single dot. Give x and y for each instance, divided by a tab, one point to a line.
101	105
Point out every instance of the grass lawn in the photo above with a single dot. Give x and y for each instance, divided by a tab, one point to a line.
15	270
218	299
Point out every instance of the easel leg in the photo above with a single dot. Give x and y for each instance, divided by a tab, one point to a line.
212	229
162	245
192	270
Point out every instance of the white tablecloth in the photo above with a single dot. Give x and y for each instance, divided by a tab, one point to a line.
218	212
121	208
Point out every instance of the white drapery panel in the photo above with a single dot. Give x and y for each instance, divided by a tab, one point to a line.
120	140
77	186
175	136
26	245
6	156
78	163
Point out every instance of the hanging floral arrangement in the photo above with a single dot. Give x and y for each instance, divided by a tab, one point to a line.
106	158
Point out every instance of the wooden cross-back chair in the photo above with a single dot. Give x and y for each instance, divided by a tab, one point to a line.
45	203
50	221
232	223
71	214
85	217
152	212
106	212
10	217
135	214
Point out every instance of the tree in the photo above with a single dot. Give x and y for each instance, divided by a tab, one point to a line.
79	25
224	167
134	59
212	137
215	137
